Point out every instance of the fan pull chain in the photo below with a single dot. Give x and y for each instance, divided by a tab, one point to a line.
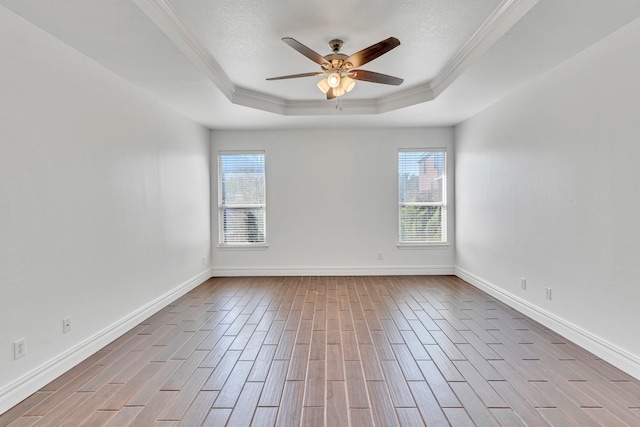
338	103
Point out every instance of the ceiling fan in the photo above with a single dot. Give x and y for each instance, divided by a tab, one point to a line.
339	68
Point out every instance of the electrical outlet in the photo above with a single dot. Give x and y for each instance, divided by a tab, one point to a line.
547	293
20	348
66	325
379	256
523	283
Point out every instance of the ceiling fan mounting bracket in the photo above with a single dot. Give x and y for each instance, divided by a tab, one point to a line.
335	45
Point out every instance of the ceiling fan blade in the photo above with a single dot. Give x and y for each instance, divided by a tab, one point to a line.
295	76
309	53
370	76
372	52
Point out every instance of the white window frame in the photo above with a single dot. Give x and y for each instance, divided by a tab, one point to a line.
443	204
221	207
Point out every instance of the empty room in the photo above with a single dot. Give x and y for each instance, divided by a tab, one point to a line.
246	213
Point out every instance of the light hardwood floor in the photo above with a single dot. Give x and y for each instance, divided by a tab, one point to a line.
336	351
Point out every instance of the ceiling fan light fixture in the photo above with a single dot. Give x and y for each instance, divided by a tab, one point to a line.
338	91
323	85
347	84
333	80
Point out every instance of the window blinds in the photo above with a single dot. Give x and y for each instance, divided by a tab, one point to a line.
422	196
241	181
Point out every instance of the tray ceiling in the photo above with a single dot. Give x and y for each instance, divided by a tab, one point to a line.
209	59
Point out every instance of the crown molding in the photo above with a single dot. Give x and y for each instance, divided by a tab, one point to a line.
503	18
258	100
169	22
411	96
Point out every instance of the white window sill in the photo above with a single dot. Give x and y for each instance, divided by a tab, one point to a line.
420	246
258	247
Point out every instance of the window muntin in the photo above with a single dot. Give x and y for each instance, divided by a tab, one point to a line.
422	208
241	200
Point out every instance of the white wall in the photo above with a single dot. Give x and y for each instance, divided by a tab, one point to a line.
547	189
331	203
104	206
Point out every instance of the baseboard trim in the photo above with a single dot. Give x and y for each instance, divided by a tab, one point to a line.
605	350
334	271
23	387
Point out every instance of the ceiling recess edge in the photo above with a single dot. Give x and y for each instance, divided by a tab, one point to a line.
503	18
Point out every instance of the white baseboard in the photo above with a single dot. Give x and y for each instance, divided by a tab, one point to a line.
605	350
334	271
23	387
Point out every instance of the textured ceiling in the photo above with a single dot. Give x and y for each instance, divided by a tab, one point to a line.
209	59
244	37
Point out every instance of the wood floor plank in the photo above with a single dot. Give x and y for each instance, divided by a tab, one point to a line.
54	400
474	357
23	407
313	416
371	364
265	417
262	363
336	404
410	417
315	384
400	394
603	417
459	417
215	355
565	403
318	345
356	385
234	384
124	417
410	368
184	372
84	410
335	363
57	414
476	409
217	417
415	345
285	346
427	404
556	417
274	383
361	417
442	361
186	395
246	404
156	404
480	385
97	419
290	412
199	409
381	405
525	409
138	393
298	364
383	348
439	385
614	402
336	350
350	345
220	374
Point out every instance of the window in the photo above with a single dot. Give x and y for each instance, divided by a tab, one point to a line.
422	196
241	200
